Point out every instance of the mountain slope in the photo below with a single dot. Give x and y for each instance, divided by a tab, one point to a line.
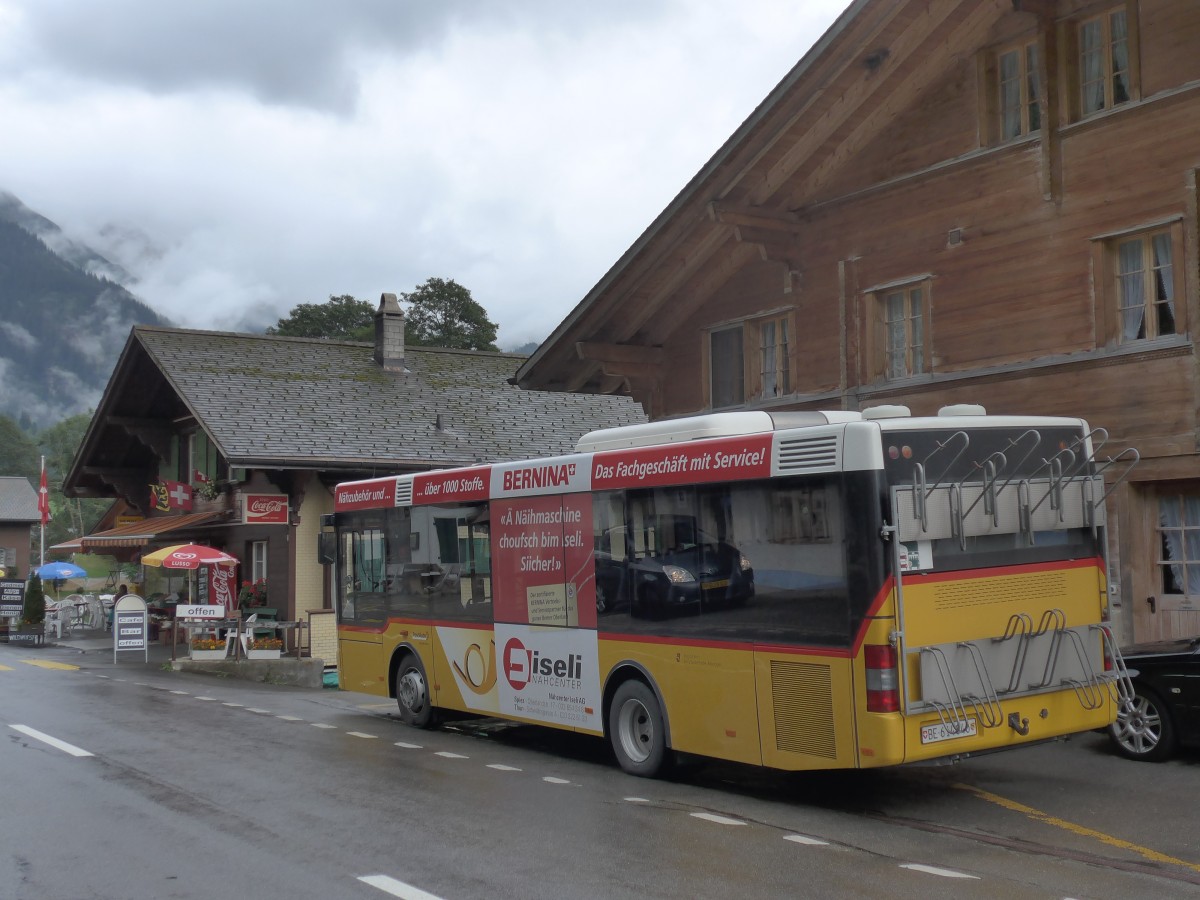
61	328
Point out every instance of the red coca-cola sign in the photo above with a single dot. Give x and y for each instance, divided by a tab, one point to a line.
264	509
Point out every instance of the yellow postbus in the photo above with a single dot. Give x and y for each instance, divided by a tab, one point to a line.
799	590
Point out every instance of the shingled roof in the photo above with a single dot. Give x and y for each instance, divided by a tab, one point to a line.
283	402
18	500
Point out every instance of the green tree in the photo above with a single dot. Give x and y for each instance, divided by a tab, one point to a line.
35	601
69	517
442	313
340	318
18	453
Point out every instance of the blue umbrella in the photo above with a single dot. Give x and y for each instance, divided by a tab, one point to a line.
60	571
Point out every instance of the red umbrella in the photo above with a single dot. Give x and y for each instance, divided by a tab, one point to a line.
186	556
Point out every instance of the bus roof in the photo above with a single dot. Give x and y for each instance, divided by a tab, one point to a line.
714	425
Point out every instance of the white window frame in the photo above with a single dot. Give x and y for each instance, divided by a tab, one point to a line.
906	330
1097	91
774	357
258	561
1146	289
1019	110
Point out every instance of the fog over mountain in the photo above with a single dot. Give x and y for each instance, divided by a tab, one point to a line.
65	312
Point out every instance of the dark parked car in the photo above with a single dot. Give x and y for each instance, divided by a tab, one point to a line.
697	571
1164	713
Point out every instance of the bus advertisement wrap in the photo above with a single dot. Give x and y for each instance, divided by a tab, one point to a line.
549	675
542	562
365	494
729	459
472	658
457	486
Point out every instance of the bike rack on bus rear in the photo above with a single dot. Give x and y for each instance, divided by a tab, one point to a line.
1062	493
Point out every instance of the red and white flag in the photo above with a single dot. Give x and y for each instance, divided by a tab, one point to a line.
179	495
199	477
44	496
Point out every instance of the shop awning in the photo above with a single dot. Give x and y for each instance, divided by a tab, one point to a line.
138	534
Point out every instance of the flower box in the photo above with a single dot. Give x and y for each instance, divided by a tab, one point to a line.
207	654
262	654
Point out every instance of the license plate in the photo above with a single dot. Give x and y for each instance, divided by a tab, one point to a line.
712	585
940	731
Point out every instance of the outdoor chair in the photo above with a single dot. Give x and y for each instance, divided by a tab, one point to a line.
250	632
58	619
74	607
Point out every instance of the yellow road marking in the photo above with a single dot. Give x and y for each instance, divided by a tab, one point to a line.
1145	852
46	664
6	668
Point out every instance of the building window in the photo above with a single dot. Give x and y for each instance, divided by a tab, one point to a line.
1104	72
258	560
903	313
1017	74
1145	285
1179	539
727	369
774	358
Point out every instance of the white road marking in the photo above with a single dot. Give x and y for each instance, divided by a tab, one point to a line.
321	725
206	698
409	746
552	780
720	820
360	734
933	870
254	709
397	888
290	718
180	693
237	705
448	755
802	839
636	800
503	768
53	742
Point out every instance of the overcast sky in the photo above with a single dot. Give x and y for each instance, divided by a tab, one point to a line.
243	156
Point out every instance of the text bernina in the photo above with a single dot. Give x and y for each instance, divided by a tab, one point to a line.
538	477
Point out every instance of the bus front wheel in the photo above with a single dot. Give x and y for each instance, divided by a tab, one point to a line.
412	693
636	729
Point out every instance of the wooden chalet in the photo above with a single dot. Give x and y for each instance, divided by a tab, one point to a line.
261	428
991	202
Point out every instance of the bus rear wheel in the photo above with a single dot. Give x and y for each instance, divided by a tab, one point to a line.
412	693
636	729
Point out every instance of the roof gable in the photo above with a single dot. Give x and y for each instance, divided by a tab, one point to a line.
880	59
18	500
269	401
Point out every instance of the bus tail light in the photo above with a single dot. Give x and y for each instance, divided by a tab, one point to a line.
883	683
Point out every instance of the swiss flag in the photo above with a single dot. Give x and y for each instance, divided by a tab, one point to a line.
179	495
44	496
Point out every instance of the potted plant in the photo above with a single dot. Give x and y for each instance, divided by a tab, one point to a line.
253	594
264	648
207	648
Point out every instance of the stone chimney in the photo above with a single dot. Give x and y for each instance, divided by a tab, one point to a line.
389	334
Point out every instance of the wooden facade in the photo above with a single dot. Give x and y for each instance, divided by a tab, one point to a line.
991	202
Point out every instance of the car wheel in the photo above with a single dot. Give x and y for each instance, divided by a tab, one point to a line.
636	729
412	693
1143	728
